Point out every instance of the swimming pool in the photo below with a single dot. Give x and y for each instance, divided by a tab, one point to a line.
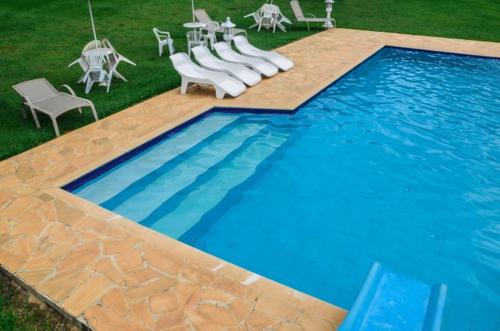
396	162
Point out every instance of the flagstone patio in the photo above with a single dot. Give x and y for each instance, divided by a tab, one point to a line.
112	274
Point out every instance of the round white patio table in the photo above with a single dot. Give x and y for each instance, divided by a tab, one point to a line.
194	25
196	37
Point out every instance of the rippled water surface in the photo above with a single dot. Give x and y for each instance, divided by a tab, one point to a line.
398	162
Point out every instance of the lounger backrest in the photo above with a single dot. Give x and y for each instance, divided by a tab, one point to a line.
36	89
180	59
240	40
201	52
202	16
297	10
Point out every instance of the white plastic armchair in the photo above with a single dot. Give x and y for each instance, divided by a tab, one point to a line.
212	28
96	72
164	39
119	57
269	18
256	16
83	64
82	61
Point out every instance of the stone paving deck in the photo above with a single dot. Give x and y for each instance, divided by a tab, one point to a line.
113	274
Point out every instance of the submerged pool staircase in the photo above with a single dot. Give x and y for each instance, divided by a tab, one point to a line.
389	301
198	166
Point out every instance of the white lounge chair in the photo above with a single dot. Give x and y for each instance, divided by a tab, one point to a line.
40	95
262	67
164	39
245	48
192	73
209	61
300	17
202	16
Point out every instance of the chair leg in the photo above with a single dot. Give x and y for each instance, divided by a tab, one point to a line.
110	77
160	49
37	122
119	75
90	82
124	59
91	105
56	128
219	93
184	85
23	109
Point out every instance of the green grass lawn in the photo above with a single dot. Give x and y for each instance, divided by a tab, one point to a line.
40	37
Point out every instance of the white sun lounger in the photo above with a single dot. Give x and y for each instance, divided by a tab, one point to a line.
192	73
245	48
209	61
40	95
262	67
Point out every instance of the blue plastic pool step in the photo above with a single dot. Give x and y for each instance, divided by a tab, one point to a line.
389	301
208	194
115	181
184	172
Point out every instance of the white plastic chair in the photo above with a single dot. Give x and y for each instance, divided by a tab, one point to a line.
269	17
96	72
164	39
211	29
114	59
195	38
256	16
82	61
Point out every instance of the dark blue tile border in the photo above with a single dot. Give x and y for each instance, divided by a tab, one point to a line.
77	183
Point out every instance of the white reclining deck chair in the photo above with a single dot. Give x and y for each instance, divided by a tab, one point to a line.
192	73
40	95
209	61
202	16
262	67
300	17
245	48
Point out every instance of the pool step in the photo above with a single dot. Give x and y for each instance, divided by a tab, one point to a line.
115	181
202	197
183	172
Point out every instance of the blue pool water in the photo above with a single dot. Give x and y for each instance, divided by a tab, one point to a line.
397	162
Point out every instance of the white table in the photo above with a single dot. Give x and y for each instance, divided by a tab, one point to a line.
198	38
194	25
